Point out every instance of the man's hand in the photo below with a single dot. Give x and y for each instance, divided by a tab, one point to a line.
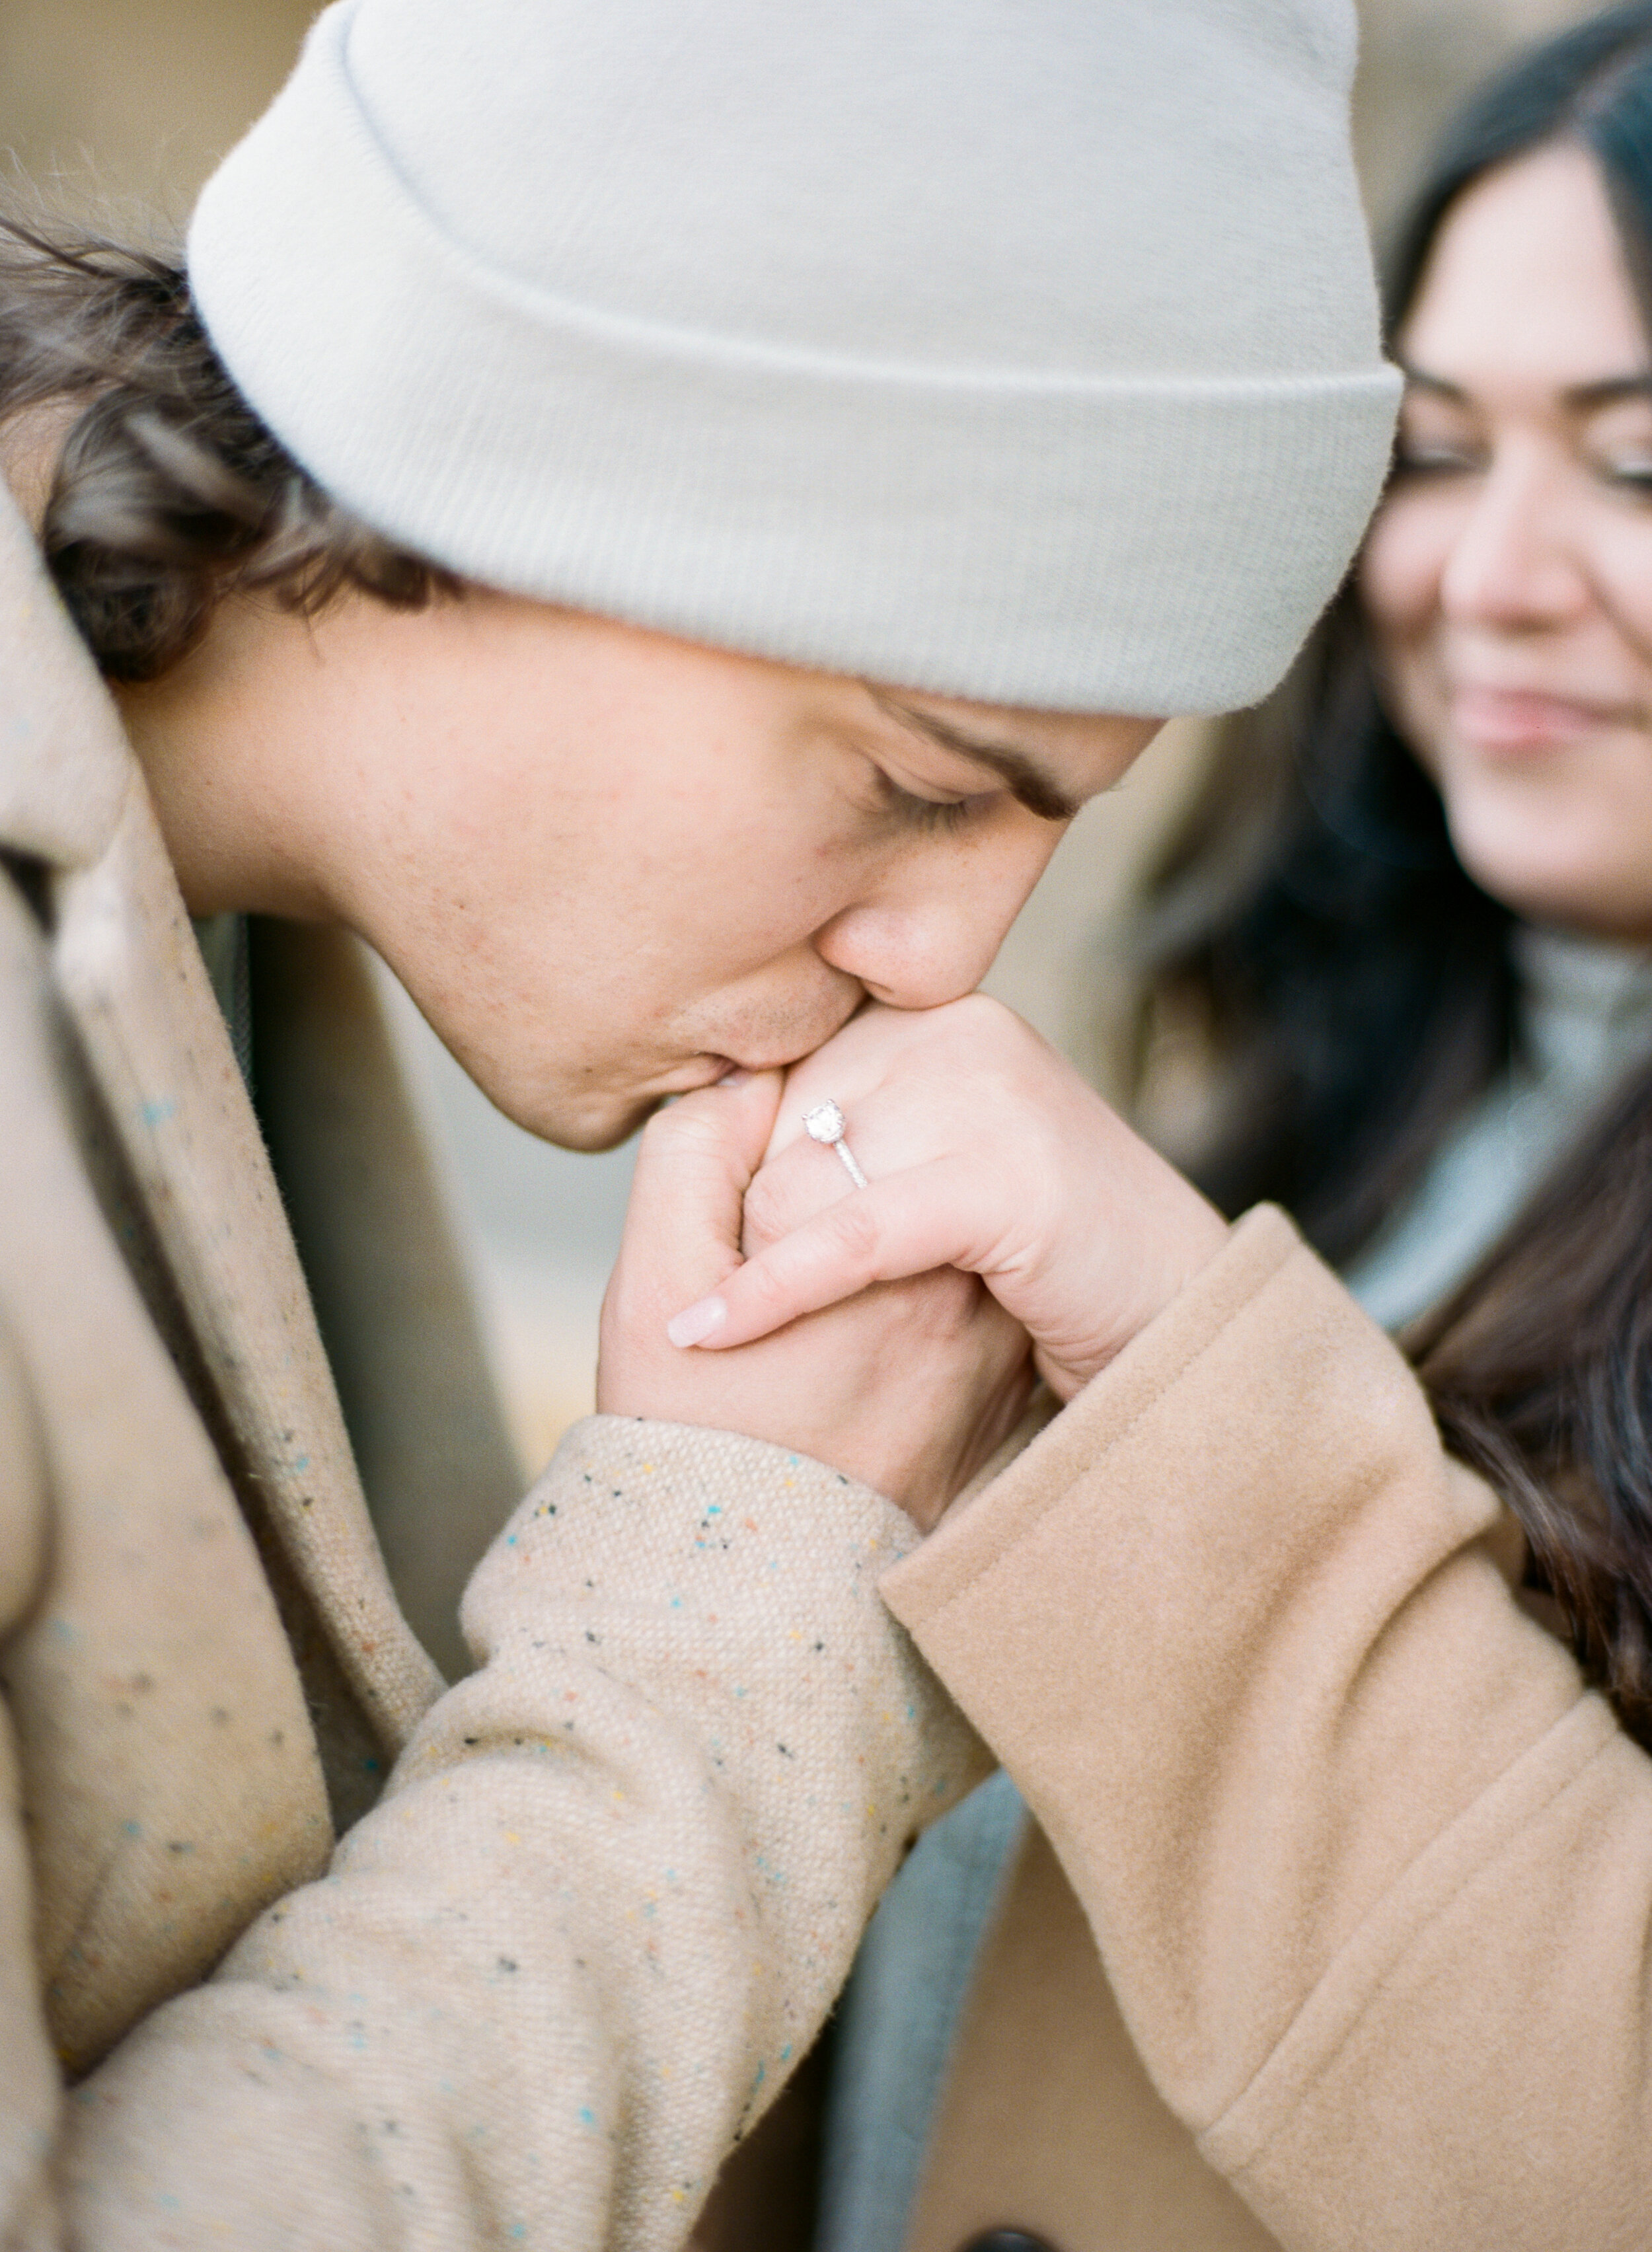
908	1388
986	1151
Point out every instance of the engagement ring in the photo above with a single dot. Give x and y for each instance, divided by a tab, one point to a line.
825	1123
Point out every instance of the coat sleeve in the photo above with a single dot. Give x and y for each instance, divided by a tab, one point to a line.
1371	1870
614	1884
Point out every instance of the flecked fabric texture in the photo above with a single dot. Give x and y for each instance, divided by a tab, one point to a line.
1014	349
386	1270
613	1886
615	1875
144	1616
128	970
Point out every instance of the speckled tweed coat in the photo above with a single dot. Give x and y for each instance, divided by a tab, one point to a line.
1331	1928
578	1941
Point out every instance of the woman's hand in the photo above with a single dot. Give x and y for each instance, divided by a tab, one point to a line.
909	1386
985	1151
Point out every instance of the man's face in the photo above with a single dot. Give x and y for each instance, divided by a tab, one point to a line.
607	864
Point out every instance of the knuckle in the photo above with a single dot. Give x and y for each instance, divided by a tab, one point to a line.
978	1009
982	1024
854	1228
766	1290
940	1305
685	1129
663	1130
773	1207
789	1192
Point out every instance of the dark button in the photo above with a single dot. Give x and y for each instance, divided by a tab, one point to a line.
1007	2240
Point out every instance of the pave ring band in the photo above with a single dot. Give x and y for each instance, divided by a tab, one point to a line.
824	1124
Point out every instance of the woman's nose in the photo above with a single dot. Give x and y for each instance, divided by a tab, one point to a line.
1513	564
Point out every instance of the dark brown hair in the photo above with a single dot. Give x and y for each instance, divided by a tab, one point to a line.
1355	992
1540	1370
168	492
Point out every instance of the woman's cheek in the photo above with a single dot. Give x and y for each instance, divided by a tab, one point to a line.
1403	561
1398	577
1623	575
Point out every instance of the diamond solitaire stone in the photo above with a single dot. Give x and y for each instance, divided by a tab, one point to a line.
825	1123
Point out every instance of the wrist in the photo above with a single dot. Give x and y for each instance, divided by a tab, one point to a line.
1181	1234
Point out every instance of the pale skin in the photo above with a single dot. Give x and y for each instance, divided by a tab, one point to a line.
1509	574
609	865
610	868
989	1155
1509	580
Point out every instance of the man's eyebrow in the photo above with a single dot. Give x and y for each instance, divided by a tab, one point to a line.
1028	784
1577	399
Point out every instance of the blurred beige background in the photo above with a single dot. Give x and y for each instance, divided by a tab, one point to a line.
120	107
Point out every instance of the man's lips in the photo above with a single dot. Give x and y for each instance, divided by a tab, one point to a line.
1516	720
687	1077
706	1070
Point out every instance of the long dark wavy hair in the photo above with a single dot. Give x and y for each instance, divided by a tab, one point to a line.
1353	991
168	492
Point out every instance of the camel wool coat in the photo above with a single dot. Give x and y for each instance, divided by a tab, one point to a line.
1330	1931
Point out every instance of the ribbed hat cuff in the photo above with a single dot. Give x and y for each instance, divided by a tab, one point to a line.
1062	542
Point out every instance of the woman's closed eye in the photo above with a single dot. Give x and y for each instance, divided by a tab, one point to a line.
1418	458
1630	473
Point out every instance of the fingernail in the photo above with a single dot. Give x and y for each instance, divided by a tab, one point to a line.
695	1324
733	1077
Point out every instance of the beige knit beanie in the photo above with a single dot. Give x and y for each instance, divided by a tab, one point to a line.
1018	349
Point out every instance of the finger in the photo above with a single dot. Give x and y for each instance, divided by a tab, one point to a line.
694	1165
902	1227
857	1060
788	1189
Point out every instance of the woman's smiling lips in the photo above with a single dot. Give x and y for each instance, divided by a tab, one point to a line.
1522	722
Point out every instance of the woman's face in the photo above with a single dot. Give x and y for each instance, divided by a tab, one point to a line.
1509	574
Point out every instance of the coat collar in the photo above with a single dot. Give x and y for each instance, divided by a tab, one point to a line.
65	762
130	974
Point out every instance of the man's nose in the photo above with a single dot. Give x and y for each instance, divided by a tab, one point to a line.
931	936
1514	564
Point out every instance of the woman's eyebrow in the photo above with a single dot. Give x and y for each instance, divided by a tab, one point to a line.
1419	380
1585	398
1577	398
1029	783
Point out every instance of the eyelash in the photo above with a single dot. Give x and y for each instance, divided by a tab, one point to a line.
1432	461
1435	462
932	814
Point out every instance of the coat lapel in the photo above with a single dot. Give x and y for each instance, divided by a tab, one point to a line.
64	758
131	977
169	1769
387	1278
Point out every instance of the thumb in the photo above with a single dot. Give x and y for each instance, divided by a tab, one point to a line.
693	1168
